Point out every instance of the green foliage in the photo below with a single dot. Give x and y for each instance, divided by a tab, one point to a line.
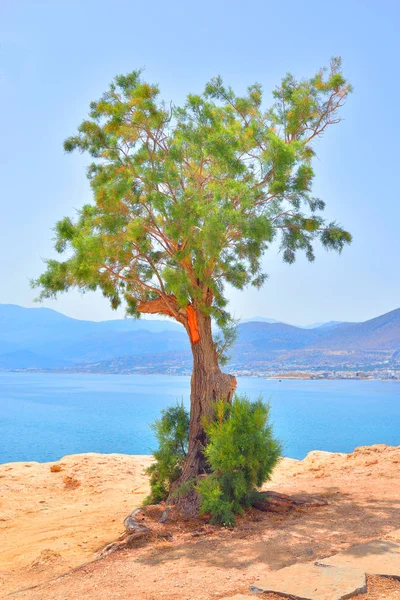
225	338
187	199
184	489
242	453
213	501
172	434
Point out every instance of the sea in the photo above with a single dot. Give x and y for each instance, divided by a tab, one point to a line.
44	416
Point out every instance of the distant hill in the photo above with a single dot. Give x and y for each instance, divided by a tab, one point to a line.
40	338
18	320
328	324
381	333
259	320
312	326
373	344
23	359
45	332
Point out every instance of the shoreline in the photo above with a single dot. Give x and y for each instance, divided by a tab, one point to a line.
313	376
149	456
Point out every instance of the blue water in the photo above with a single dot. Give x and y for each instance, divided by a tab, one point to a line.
46	416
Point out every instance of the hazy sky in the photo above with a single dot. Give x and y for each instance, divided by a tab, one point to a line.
57	56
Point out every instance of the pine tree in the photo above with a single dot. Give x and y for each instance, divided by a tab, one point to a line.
187	199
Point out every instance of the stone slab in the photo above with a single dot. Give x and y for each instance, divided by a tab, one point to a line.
379	557
314	582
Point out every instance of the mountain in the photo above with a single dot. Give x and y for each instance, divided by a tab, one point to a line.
40	338
381	333
18	320
312	326
259	320
328	324
45	332
373	344
275	336
23	359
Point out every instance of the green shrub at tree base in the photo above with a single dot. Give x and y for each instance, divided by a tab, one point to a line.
172	434
242	453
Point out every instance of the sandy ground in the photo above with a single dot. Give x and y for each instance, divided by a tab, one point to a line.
51	522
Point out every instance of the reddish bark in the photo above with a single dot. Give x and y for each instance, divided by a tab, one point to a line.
193	324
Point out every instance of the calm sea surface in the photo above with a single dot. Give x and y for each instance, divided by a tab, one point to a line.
46	416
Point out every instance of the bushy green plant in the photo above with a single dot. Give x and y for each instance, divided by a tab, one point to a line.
172	434
242	453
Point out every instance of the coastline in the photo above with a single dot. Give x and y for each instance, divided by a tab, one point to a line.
386	375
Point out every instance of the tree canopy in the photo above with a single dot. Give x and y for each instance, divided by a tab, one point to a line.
188	198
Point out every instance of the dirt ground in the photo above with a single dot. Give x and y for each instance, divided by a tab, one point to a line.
54	520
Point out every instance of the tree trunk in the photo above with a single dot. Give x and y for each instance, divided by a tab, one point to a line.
208	384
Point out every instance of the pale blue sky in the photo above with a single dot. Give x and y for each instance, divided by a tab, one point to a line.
56	56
